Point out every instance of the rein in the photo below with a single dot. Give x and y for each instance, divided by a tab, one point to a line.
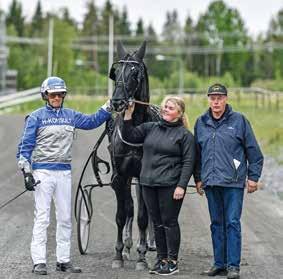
142	103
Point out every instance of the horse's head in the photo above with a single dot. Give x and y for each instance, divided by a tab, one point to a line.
128	74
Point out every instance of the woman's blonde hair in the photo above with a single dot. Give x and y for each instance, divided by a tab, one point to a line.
180	104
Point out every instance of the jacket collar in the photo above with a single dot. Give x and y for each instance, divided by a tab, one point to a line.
208	119
50	108
164	123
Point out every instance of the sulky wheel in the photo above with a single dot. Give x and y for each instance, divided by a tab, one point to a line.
83	221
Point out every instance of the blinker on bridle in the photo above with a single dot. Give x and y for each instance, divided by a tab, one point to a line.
112	75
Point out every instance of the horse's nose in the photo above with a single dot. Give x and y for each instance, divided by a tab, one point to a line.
117	104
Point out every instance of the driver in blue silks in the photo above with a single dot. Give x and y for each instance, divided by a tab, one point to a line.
44	154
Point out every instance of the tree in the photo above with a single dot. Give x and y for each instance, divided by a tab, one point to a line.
172	30
140	28
124	24
151	34
220	27
107	10
90	21
90	30
67	18
63	59
189	41
275	35
15	17
37	20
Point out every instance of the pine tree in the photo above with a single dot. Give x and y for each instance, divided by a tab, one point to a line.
67	18
90	21
37	20
140	28
15	17
124	25
172	30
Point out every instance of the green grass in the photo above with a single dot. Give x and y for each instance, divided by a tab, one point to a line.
263	114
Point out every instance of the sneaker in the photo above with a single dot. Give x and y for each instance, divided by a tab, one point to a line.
169	268
215	271
157	266
40	269
233	273
67	267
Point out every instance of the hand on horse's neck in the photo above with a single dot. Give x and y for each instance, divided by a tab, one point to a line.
128	114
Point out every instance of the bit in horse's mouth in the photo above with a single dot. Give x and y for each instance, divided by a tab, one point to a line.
119	107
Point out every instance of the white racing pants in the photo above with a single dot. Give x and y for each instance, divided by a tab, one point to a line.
56	185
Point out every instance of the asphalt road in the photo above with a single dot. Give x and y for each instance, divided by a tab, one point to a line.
262	225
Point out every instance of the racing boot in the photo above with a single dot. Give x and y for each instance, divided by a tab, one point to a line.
40	269
67	267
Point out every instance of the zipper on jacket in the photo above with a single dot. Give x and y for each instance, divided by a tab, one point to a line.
213	139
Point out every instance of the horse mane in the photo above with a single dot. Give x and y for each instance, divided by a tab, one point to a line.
144	95
140	113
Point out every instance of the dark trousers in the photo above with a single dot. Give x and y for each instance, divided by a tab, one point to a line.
164	212
225	209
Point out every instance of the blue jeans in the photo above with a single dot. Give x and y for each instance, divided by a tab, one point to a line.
225	209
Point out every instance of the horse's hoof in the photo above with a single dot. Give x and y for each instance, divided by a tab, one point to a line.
126	254
117	264
142	265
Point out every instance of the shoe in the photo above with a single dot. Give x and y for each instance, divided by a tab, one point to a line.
169	268
67	267
40	269
214	271
233	273
157	266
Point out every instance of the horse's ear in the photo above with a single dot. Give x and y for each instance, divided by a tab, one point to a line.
141	52
121	50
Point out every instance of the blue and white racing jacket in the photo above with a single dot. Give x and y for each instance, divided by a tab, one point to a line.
48	135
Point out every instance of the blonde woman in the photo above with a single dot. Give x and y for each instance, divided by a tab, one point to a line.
167	165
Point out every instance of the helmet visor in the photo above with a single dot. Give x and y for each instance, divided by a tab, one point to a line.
60	94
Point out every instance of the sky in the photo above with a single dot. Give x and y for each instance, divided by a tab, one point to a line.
255	13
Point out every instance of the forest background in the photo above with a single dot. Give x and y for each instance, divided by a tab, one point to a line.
216	47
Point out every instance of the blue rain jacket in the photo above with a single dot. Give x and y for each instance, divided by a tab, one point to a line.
227	150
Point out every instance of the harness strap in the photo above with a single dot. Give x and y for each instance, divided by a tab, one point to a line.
142	103
126	142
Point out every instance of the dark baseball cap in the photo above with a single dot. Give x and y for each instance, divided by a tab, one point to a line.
217	89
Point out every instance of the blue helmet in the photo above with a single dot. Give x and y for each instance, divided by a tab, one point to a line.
52	85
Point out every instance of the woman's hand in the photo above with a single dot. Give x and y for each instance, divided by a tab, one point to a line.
129	111
178	193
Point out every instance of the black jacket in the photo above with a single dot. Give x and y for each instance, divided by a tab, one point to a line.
168	152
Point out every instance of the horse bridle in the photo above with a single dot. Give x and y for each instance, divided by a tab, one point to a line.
121	78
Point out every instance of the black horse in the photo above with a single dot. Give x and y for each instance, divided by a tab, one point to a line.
131	84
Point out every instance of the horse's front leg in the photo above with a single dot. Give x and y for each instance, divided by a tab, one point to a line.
128	238
118	187
142	217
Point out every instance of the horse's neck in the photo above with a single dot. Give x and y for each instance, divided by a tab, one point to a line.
140	113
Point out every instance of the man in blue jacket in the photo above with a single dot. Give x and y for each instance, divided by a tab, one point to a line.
228	159
44	154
